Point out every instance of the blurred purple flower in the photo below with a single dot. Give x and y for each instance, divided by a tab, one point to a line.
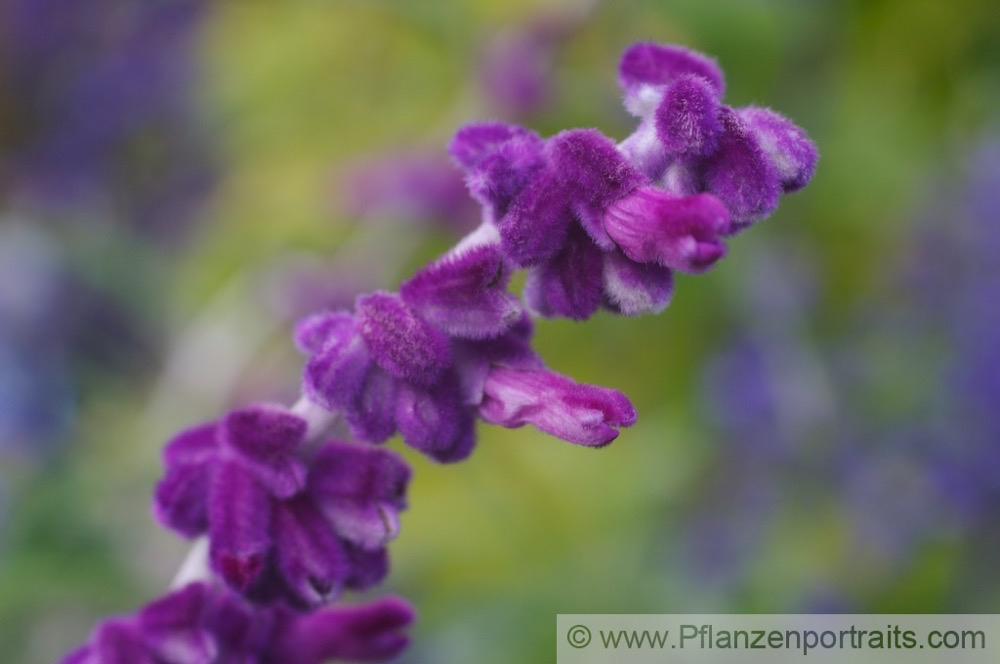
419	186
52	323
94	108
200	624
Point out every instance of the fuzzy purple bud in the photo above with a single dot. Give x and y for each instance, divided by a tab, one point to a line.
500	174
646	66
360	491
265	439
370	413
595	175
535	227
634	288
464	294
680	233
365	633
788	147
570	283
114	642
239	513
399	341
436	422
583	414
181	498
472	143
740	173
310	558
339	360
687	120
355	472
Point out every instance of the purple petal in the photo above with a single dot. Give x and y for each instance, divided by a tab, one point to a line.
535	226
740	173
634	288
180	501
368	568
82	655
358	472
435	421
687	120
335	373
650	64
265	439
120	642
465	294
366	633
474	142
400	342
367	525
595	175
173	626
501	175
570	284
371	415
473	359
239	525
195	445
680	233
242	629
308	555
788	147
582	414
314	332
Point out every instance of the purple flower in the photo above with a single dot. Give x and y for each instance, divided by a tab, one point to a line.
499	160
465	293
632	289
691	143
687	120
787	147
279	527
399	341
682	233
740	173
570	283
201	624
646	67
582	414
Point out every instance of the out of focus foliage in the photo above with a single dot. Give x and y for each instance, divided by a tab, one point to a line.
815	431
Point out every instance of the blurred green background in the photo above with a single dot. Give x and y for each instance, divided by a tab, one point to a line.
777	510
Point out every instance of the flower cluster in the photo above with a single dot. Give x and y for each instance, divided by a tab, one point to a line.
450	345
291	523
281	525
599	224
200	624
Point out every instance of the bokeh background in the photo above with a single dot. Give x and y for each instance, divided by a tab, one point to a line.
819	415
